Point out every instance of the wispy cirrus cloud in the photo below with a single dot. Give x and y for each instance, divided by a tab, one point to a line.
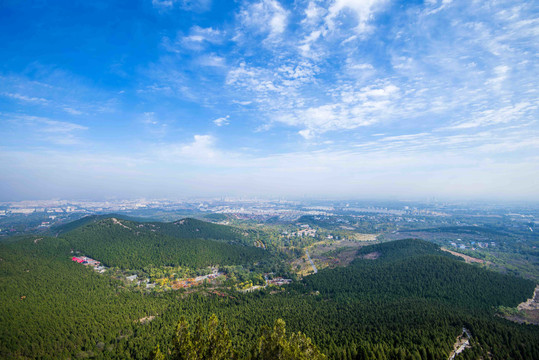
222	121
199	37
24	98
434	74
352	109
41	129
190	5
57	91
500	115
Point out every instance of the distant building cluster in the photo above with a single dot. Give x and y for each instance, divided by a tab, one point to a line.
306	231
186	283
279	281
85	260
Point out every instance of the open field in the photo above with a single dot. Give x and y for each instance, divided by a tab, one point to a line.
330	253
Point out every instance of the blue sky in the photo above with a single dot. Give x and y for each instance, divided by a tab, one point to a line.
338	98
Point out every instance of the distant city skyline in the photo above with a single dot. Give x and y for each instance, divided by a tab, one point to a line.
371	99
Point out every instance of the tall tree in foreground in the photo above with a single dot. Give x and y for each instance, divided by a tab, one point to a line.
273	345
210	341
156	354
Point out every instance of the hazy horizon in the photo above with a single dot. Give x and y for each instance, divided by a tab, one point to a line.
372	99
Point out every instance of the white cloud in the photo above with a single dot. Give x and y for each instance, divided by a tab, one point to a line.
202	146
306	134
259	80
266	16
48	130
72	111
191	5
273	87
350	109
496	116
353	66
163	3
222	121
59	127
392	166
500	75
431	95
364	11
307	43
196	5
30	99
149	118
198	38
434	6
211	60
244	103
199	34
153	126
313	13
56	91
202	151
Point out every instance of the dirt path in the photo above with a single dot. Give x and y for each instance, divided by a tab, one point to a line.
466	258
311	261
463	342
117	222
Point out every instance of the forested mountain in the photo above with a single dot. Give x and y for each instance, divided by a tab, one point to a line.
189	228
415	269
64	228
54	308
410	301
132	245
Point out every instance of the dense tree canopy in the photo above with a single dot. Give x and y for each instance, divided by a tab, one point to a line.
132	245
409	303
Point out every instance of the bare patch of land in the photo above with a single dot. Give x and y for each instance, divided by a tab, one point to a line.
371	256
533	303
329	253
145	319
531	308
526	312
117	222
364	237
466	258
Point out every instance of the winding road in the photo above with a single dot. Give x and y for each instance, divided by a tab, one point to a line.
311	261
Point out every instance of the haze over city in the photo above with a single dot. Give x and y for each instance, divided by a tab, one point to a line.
343	98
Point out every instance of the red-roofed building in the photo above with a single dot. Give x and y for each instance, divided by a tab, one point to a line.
78	259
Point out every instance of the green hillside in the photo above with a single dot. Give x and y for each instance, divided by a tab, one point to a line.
410	269
189	228
53	308
64	228
411	302
132	245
